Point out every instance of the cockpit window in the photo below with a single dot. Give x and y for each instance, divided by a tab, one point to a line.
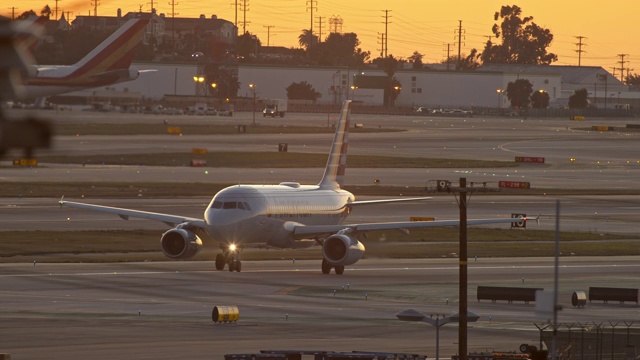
230	205
216	205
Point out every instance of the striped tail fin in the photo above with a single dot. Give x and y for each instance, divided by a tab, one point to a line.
333	177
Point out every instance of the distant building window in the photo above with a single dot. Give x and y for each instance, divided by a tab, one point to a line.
413	78
419	90
413	91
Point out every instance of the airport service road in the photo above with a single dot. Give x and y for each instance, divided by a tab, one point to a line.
163	310
604	214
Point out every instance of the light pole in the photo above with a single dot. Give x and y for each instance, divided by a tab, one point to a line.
499	91
414	315
353	92
199	80
253	89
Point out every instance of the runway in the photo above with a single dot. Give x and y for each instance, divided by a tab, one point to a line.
163	310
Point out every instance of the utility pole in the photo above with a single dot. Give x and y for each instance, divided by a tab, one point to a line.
621	62
55	10
381	42
95	7
580	45
151	3
319	28
173	23
244	10
311	5
13	13
448	55
268	32
463	193
386	32
459	45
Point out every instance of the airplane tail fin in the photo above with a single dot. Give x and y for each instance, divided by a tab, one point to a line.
115	52
333	177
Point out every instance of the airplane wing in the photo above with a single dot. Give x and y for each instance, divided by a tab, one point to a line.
383	201
125	214
303	232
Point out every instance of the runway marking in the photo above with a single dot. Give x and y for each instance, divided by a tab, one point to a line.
407	268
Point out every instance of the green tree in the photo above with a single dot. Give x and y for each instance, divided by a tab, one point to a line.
519	93
579	99
467	62
340	50
540	99
416	60
248	45
633	80
46	11
523	41
302	91
26	14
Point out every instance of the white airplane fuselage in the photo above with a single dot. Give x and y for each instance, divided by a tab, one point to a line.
250	214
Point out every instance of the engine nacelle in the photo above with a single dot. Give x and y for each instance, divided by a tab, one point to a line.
342	250
180	244
133	74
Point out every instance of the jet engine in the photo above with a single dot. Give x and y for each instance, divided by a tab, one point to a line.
341	250
180	244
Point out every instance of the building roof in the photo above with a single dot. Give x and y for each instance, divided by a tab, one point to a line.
569	74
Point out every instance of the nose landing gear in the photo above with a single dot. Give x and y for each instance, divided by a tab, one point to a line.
229	257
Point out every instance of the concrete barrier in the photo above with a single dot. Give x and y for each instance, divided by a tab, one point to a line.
613	294
509	294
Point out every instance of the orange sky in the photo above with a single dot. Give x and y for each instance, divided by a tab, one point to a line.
425	26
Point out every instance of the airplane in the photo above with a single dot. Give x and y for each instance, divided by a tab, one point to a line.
287	215
107	64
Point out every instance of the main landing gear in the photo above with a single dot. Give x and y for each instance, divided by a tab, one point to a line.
231	257
326	268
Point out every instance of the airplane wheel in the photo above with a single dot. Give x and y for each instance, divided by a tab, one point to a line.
232	265
219	262
339	269
326	267
238	266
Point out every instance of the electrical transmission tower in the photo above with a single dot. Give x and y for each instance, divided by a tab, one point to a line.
335	24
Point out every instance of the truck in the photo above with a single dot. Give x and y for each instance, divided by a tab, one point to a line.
274	107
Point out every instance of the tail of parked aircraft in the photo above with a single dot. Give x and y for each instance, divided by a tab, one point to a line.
116	52
333	177
107	64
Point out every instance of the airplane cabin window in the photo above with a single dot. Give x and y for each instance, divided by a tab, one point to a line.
241	206
246	206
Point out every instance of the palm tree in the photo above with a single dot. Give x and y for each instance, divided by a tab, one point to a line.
307	39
